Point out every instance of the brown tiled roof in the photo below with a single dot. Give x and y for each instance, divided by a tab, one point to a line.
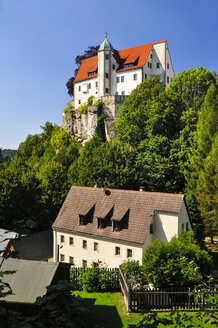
126	56
140	206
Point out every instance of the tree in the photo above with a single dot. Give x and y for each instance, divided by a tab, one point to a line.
180	262
92	51
202	173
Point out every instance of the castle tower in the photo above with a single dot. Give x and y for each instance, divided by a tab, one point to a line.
105	53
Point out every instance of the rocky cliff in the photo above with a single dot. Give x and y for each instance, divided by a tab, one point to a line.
99	119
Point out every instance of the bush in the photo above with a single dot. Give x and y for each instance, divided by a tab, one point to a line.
181	262
89	280
134	274
94	279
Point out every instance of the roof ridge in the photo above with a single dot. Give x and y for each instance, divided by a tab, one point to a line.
129	190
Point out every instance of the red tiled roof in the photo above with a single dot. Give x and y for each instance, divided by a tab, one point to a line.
127	56
139	208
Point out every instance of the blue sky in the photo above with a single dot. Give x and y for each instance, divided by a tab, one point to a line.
40	39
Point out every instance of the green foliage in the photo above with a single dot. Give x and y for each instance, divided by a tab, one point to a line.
58	308
99	103
180	262
196	218
35	184
110	164
95	279
83	108
69	108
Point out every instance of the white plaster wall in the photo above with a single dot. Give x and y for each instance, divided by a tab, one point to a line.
169	71
165	226
80	95
184	217
105	253
129	84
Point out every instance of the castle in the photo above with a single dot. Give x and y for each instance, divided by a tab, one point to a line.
110	77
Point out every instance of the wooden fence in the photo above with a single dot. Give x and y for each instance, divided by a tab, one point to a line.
168	299
111	276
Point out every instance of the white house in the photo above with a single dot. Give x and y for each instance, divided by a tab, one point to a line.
117	72
109	226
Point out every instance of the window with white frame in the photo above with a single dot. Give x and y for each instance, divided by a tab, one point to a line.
134	77
122	78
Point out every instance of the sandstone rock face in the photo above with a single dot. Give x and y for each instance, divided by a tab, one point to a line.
98	120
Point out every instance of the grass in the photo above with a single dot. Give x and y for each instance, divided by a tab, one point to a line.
107	310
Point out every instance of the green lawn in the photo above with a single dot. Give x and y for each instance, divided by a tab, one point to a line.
107	310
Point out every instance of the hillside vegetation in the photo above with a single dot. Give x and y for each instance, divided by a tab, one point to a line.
166	141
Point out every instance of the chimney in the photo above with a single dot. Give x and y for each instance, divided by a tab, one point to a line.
142	188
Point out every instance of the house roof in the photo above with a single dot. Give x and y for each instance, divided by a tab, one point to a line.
29	279
38	246
138	208
5	237
126	56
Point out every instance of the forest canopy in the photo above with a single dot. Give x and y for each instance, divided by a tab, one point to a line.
166	141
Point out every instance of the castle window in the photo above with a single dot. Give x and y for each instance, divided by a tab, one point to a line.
95	246
107	90
89	85
106	75
150	55
62	257
79	87
79	101
151	228
148	64
158	65
113	67
106	56
117	250
146	76
128	65
123	93
96	84
168	79
168	65
85	244
92	73
134	77
129	252
118	79
122	78
71	260
71	241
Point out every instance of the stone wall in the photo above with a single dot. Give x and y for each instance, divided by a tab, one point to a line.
85	126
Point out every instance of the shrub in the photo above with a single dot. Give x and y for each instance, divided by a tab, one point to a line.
134	274
181	262
90	101
94	279
69	108
99	103
89	280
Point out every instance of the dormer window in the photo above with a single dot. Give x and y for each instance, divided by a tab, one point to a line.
129	65
116	226
82	220
100	224
92	73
